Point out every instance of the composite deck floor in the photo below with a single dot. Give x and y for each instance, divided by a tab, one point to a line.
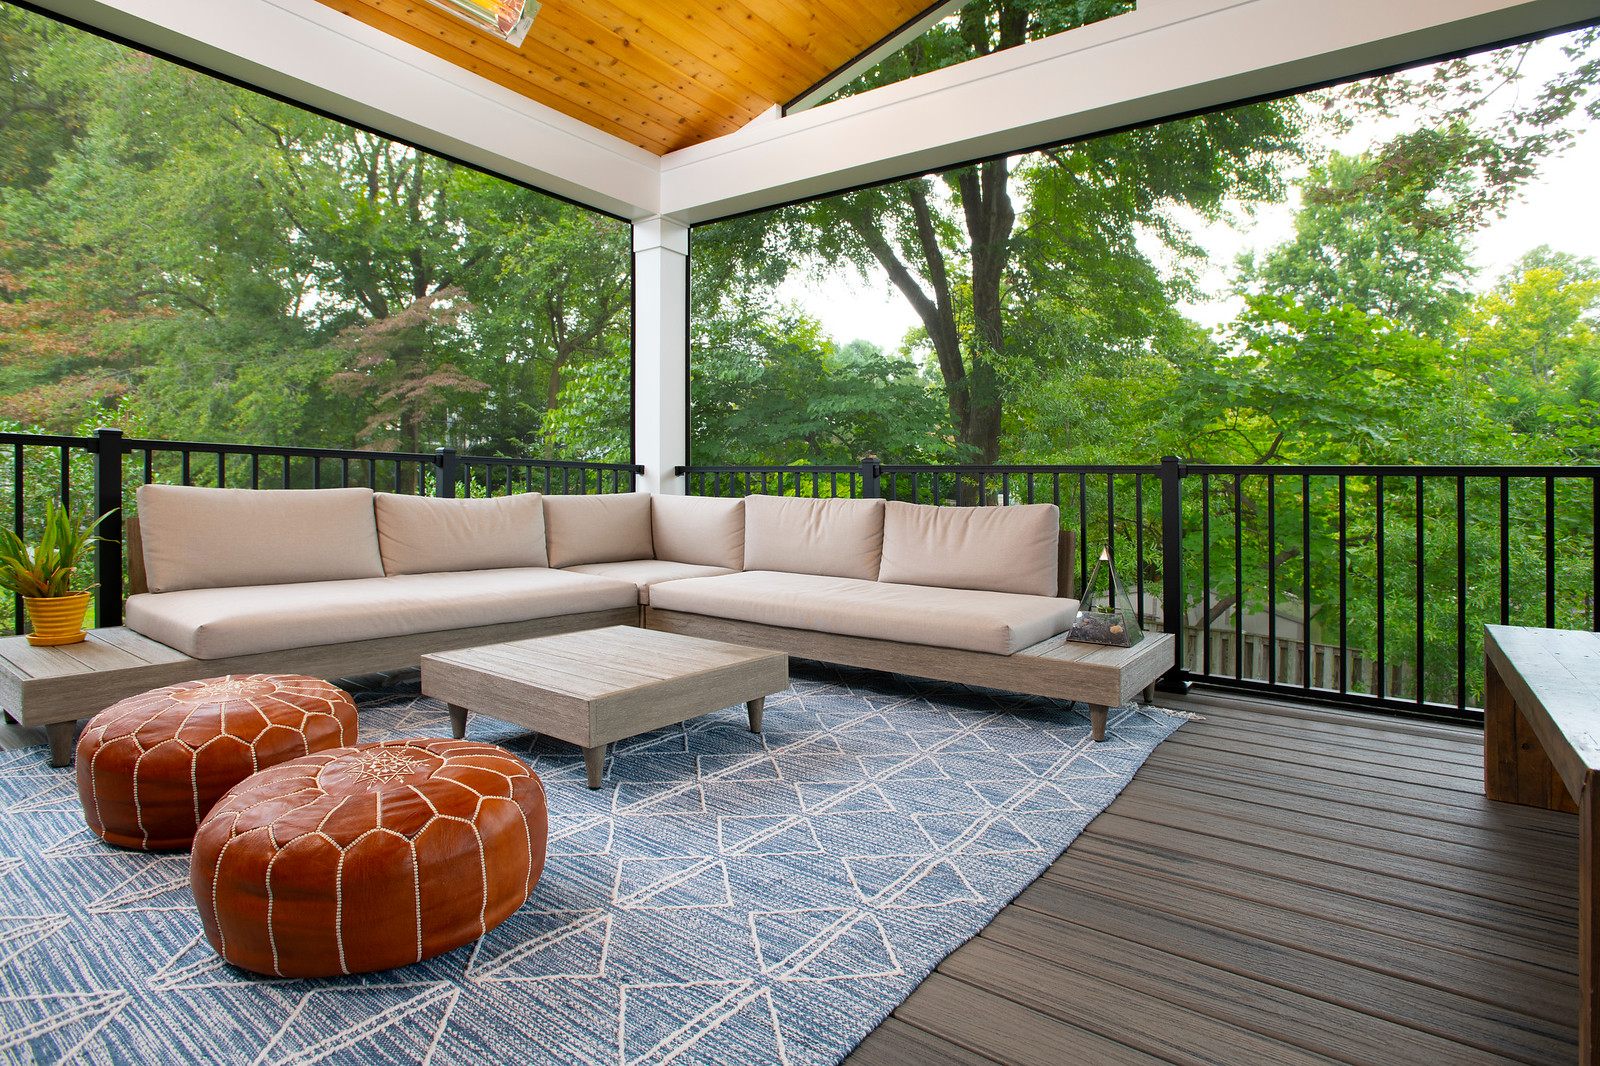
1279	889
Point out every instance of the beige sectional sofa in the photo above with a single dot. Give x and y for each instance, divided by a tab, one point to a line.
335	582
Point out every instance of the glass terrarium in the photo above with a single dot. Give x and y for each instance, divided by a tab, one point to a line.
1106	613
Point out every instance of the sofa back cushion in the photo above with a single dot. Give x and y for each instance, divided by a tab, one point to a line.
426	535
705	530
831	537
597	529
998	549
199	538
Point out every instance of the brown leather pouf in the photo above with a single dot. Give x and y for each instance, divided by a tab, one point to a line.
368	858
151	766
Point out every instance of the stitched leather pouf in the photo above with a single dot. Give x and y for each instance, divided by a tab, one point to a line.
369	857
151	766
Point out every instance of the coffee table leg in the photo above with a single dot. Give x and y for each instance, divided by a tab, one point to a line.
1097	721
458	721
63	736
755	707
594	761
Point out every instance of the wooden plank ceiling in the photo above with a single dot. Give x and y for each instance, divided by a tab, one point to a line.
661	74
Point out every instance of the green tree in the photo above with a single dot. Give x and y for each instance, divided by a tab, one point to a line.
971	248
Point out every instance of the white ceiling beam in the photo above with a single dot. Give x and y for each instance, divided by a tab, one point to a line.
308	52
1166	58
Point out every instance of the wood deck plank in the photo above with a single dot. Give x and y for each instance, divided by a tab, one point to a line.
1312	885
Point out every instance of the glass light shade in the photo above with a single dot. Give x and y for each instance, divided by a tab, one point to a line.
507	19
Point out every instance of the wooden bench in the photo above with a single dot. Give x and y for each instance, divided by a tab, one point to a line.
1541	748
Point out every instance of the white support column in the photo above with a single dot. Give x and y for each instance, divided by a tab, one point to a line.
661	351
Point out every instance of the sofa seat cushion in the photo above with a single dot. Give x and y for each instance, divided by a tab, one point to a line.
969	619
647	572
216	623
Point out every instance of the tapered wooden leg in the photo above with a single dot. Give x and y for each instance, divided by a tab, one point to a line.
1097	721
755	707
594	761
458	721
1588	927
63	735
1150	692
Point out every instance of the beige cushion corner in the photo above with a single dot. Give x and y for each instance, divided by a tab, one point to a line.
196	538
425	534
999	549
704	530
830	537
597	529
647	573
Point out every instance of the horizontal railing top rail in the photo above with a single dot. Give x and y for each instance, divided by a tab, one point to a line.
1396	470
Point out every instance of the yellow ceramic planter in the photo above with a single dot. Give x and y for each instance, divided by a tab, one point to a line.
56	619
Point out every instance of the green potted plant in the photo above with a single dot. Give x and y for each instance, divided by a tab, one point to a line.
43	574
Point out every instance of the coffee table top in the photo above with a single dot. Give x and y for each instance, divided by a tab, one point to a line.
593	664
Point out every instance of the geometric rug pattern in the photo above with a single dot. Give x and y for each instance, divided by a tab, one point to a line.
725	898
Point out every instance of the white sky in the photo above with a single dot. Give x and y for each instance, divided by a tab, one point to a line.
1561	209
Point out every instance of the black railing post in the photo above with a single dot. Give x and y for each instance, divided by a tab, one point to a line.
449	465
109	451
871	472
1172	603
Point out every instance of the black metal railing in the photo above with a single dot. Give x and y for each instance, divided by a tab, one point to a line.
107	468
1359	585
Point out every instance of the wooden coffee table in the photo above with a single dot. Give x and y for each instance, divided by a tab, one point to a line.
600	685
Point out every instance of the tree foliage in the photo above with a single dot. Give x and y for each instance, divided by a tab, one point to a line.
240	269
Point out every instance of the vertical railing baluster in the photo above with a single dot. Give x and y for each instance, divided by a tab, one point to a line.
1138	541
1305	581
1461	592
1238	576
1344	586
1422	593
18	507
1272	578
1205	573
1549	553
1594	552
1172	607
1381	685
108	551
1505	550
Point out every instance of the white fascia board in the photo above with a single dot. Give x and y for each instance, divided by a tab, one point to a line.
1166	58
308	52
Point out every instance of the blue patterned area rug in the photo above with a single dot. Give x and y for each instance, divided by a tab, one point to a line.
725	898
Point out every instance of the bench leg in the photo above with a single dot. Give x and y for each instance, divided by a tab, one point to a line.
755	707
458	721
1097	721
63	736
1150	692
594	761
